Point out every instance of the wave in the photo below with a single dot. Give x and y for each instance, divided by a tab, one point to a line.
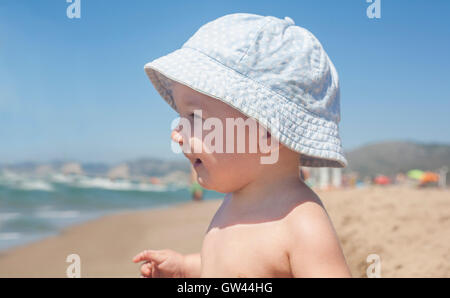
124	185
19	182
57	214
60	178
28	184
4	216
106	183
9	236
35	185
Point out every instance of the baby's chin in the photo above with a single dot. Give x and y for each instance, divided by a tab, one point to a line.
210	186
218	185
205	182
208	183
220	176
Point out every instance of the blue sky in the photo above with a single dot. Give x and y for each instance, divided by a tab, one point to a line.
76	88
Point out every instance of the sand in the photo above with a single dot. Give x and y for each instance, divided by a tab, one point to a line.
409	229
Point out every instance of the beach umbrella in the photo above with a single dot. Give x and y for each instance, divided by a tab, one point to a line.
382	180
415	174
429	177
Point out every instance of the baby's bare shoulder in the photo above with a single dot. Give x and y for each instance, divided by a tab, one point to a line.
307	215
313	246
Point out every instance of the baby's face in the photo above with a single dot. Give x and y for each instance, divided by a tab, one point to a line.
220	171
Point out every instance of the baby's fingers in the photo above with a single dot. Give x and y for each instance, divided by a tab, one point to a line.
146	269
150	255
146	255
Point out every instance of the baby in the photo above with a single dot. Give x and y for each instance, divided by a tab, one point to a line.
254	71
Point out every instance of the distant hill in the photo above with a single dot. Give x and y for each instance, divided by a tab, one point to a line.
389	158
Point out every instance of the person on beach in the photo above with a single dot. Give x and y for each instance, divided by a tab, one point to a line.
248	69
195	188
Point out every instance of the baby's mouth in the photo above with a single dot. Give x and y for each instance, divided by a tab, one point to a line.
197	162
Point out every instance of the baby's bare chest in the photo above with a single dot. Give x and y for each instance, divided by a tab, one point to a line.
245	250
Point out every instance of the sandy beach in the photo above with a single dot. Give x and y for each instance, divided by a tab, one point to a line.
408	228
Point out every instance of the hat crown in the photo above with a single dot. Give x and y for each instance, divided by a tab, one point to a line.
277	54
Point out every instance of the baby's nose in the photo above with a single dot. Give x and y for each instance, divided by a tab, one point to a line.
177	137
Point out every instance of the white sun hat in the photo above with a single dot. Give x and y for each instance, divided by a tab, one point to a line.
269	69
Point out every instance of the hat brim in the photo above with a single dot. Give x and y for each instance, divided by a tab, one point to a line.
315	138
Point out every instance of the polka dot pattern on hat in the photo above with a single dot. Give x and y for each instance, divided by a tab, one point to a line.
269	69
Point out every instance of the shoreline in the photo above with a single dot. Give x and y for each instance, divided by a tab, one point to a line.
408	229
103	243
92	217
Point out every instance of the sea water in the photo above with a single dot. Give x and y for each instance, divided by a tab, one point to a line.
32	208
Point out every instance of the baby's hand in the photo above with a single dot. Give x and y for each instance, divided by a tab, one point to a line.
161	263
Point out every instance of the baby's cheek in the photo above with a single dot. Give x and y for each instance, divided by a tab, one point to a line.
233	171
214	140
217	167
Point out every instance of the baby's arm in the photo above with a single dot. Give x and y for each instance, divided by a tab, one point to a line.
192	265
314	249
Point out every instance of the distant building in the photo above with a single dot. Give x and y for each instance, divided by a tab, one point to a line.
177	177
324	178
72	168
44	170
336	177
443	177
119	172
